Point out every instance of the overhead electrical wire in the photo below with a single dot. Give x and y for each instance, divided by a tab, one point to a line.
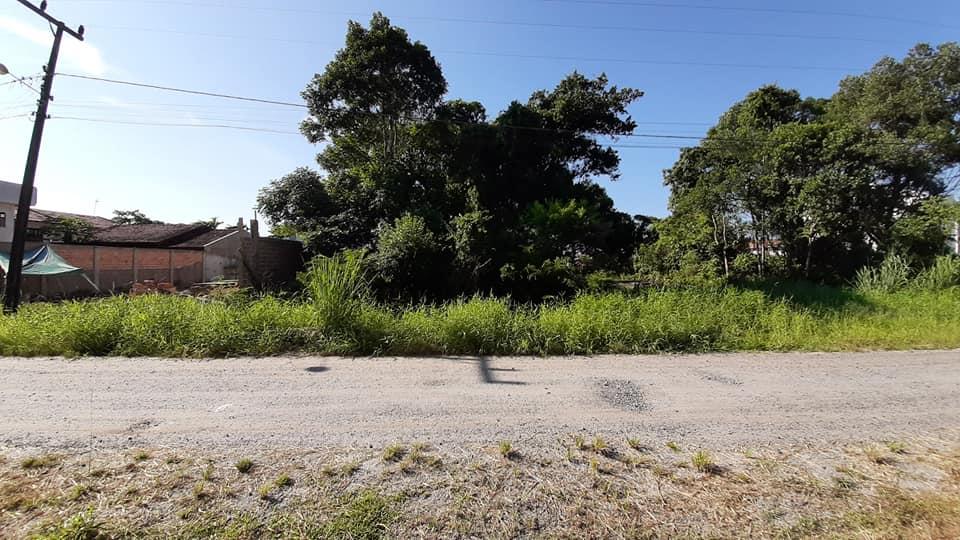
182	90
731	140
623	3
173	124
639	61
744	9
525	24
15	116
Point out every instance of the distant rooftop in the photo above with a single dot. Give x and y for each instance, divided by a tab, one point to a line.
149	235
208	237
44	216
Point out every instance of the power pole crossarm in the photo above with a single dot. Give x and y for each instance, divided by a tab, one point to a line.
11	300
41	11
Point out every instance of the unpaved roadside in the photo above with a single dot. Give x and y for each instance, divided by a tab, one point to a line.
718	401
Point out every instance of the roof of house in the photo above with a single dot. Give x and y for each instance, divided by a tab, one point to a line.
149	234
43	216
208	237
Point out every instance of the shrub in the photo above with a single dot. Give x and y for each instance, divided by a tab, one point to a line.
338	288
893	274
944	273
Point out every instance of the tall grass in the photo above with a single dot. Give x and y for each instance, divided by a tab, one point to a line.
945	272
893	274
338	318
339	288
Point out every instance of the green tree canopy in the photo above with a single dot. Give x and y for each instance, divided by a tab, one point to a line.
433	188
824	184
131	217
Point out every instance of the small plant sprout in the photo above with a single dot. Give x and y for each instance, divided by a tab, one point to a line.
703	462
507	450
283	480
40	462
636	444
265	491
348	469
897	447
579	442
77	492
394	453
244	465
207	473
844	483
673	446
599	445
141	455
198	490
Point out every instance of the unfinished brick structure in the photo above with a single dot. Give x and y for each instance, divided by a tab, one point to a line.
115	269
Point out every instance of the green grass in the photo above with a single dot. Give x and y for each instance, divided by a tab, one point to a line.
784	317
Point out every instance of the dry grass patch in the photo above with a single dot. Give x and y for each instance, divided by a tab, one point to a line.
474	493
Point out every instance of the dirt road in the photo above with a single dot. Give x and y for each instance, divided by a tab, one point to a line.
715	400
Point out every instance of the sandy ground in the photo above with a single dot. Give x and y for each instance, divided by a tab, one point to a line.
719	401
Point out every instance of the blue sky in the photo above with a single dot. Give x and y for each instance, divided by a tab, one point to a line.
270	49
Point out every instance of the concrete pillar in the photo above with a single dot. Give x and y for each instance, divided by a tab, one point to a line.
96	266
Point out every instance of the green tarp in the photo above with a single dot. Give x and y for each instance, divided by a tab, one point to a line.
41	261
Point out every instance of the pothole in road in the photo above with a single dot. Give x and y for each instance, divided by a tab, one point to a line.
717	378
622	394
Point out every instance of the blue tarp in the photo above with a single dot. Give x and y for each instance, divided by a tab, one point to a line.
41	261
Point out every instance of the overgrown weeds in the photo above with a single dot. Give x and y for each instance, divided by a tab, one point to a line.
340	318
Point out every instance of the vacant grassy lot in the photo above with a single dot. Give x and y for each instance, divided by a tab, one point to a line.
785	318
585	487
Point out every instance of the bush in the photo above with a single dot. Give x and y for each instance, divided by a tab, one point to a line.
892	275
944	273
338	287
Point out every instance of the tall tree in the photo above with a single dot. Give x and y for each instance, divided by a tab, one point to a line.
421	180
825	182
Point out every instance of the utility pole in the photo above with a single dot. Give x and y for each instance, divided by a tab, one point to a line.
11	300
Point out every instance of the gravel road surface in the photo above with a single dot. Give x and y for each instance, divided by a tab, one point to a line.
721	401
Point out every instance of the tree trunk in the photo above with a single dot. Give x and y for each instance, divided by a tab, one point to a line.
806	265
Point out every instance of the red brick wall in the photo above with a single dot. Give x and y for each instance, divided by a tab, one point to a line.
109	258
81	256
114	269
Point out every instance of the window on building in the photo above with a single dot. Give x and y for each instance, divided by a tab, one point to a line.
3	220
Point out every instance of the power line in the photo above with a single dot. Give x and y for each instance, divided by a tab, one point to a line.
526	24
15	116
171	124
655	62
146	108
285	9
183	91
245	128
22	81
782	11
509	54
736	140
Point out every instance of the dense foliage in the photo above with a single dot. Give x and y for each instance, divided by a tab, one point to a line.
818	188
445	202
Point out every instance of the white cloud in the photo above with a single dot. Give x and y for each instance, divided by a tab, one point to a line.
74	54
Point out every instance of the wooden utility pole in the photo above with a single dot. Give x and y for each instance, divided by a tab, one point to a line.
11	300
